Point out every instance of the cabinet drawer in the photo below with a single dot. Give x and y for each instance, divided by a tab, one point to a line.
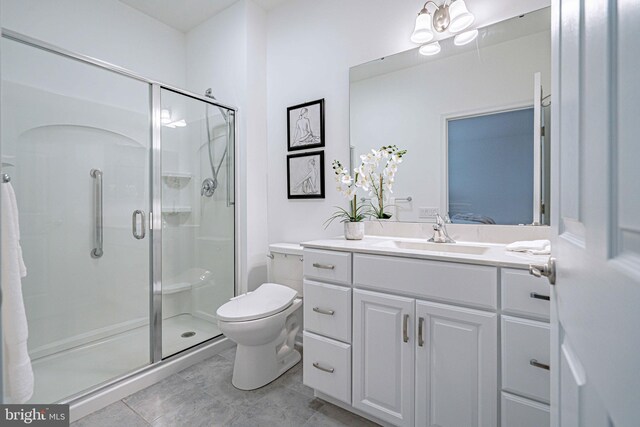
525	342
327	310
331	266
327	366
475	285
523	294
521	412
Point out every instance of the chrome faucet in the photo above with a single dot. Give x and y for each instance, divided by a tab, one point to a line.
440	234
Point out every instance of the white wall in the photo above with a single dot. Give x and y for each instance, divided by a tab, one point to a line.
105	29
228	54
310	47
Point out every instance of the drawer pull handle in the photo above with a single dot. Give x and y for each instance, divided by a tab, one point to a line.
405	327
325	266
534	362
322	368
538	296
323	311
420	332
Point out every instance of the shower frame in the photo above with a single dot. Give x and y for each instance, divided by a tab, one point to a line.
154	223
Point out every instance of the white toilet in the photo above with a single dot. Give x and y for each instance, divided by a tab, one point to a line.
264	323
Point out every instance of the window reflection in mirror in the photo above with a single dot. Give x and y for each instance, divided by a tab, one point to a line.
490	168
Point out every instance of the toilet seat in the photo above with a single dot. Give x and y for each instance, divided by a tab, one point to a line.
268	299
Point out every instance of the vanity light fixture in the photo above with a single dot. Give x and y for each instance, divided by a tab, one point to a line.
430	49
452	15
464	38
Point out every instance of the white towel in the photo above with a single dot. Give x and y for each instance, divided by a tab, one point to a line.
534	247
17	364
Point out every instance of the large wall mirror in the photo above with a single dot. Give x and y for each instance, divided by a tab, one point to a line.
474	119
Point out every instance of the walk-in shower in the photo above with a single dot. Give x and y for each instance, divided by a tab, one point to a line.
127	261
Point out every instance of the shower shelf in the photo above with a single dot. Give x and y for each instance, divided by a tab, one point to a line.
177	179
175	210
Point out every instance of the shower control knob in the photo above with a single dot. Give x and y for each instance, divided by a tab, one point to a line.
208	187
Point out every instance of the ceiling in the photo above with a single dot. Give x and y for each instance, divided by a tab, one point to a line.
184	15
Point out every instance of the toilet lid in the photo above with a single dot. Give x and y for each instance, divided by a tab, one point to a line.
268	299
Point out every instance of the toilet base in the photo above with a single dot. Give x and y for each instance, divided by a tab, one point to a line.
245	378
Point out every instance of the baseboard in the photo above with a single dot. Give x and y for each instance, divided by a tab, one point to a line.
350	408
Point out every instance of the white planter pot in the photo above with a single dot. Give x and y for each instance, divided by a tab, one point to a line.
354	230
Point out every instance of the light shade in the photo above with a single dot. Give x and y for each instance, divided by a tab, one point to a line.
430	49
461	18
423	32
466	37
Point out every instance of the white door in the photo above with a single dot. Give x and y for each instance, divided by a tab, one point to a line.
456	366
596	213
383	356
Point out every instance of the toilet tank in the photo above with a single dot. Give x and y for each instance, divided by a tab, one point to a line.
285	265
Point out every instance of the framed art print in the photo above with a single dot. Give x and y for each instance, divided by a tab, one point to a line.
305	125
305	175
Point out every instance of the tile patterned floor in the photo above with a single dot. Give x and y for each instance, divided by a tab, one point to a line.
202	395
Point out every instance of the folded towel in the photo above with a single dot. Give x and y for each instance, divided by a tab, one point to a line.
17	364
534	247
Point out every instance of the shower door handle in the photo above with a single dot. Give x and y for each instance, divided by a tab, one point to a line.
134	224
97	252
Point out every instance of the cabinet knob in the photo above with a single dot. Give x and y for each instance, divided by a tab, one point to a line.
324	266
323	311
539	296
534	362
322	368
405	328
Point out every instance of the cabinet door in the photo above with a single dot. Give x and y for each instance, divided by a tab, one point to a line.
383	356
456	366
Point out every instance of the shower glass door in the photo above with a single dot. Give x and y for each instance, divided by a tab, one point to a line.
198	217
76	143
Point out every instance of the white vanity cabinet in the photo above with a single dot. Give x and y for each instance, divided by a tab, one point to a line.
422	363
383	356
456	366
327	323
525	349
416	342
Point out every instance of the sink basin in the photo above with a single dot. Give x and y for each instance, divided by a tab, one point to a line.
434	247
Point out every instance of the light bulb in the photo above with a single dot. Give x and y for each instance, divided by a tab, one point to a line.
461	18
422	32
430	49
466	37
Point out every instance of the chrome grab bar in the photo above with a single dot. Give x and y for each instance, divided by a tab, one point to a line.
322	368
323	311
420	332
534	362
539	296
97	251
325	266
405	326
134	224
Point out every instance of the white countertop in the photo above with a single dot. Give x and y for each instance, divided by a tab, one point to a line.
495	254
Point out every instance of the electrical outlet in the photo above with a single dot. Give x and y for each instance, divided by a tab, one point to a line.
427	212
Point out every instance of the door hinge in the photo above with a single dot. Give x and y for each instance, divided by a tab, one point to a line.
542	130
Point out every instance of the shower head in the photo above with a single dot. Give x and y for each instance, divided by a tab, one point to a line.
209	94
